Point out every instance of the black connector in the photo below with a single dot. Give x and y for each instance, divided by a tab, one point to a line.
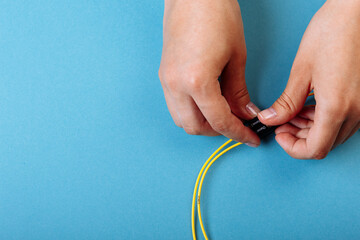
260	129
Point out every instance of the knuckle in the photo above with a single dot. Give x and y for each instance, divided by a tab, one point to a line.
286	103
219	126
191	79
168	78
194	83
172	83
240	94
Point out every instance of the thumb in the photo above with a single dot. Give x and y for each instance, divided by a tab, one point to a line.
234	89
289	104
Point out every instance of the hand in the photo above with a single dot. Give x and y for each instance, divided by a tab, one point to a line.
204	40
328	62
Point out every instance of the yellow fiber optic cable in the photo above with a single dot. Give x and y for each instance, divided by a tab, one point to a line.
196	186
201	177
201	183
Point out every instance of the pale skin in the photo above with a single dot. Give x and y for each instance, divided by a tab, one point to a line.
204	40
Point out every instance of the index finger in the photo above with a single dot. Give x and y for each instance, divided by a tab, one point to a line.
217	111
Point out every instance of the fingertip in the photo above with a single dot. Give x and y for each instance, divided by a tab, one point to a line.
249	138
286	142
252	142
255	139
283	140
252	145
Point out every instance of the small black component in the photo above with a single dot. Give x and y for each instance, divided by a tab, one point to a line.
260	129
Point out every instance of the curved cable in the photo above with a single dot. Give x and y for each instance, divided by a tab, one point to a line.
196	186
201	183
201	176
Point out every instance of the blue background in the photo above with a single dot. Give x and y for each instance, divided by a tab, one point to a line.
88	149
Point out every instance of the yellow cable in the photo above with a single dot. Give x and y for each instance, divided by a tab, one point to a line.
202	176
196	186
201	183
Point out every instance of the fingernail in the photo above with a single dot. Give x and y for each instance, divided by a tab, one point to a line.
252	109
268	113
251	145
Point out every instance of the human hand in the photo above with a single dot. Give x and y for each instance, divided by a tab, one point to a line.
204	40
328	62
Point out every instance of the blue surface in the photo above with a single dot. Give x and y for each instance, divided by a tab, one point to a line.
88	149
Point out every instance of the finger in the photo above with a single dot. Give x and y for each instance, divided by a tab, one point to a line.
308	112
218	113
234	89
293	130
186	114
172	108
301	122
321	136
192	120
291	144
305	118
291	101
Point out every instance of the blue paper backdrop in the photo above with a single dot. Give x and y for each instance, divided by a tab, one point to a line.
89	151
